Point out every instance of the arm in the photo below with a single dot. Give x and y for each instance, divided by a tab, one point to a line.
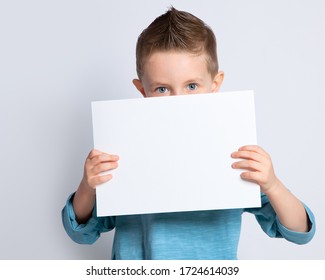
290	211
86	233
84	198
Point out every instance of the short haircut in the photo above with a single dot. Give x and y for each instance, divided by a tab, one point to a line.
179	31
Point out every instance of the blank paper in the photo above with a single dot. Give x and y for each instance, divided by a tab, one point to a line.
175	152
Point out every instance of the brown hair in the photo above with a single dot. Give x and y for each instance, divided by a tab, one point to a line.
177	30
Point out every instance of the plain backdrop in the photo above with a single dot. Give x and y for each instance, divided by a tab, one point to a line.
58	56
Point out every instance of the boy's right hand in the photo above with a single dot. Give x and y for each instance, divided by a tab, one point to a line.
96	163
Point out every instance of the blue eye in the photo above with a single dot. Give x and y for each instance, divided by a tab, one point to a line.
192	86
161	90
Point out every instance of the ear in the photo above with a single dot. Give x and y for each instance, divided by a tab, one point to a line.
137	83
217	81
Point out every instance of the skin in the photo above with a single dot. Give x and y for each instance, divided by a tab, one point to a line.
177	73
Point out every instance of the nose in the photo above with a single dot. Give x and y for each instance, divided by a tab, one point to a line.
178	92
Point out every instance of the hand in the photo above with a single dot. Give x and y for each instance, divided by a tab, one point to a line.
259	166
96	163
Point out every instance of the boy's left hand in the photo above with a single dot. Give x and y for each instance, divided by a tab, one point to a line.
258	164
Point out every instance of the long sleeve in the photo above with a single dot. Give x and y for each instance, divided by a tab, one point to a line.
84	233
271	225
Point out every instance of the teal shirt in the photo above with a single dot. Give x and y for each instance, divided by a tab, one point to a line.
198	235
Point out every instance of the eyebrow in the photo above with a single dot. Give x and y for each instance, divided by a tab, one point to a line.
156	84
200	80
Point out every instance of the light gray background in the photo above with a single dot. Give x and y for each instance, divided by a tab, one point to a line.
58	56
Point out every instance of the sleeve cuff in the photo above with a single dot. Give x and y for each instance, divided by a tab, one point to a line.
74	225
299	237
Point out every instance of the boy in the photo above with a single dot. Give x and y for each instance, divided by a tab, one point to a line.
175	55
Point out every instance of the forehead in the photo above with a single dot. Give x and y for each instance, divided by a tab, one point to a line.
161	58
175	63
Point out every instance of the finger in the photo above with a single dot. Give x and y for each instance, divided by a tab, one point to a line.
248	155
247	164
256	177
254	148
94	153
103	157
98	180
251	176
107	166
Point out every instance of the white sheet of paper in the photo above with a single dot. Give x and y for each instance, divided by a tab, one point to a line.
175	152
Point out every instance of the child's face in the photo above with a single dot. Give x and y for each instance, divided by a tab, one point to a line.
176	73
